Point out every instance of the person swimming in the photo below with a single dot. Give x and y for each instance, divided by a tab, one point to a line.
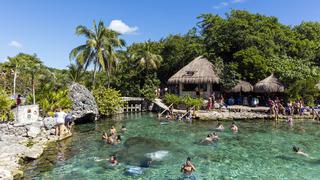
118	139
104	136
113	131
113	160
298	151
208	138
123	129
220	127
187	168
290	120
214	136
234	127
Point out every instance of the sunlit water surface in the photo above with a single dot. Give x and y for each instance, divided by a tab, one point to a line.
260	150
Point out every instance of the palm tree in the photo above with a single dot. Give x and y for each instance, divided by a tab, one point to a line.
75	72
33	67
145	58
98	50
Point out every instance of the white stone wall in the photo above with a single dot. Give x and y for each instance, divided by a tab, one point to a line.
26	114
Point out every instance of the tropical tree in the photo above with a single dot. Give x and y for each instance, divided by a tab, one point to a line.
98	50
146	59
75	72
33	66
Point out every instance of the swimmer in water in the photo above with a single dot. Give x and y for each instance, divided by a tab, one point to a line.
208	138
214	136
123	129
220	127
104	136
113	160
187	168
290	120
113	131
234	127
118	139
298	151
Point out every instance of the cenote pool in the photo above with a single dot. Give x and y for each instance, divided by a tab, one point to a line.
260	150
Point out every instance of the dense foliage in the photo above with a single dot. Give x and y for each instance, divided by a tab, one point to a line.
50	99
108	100
5	105
241	45
187	101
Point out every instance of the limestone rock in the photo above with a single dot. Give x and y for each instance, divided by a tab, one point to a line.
34	129
49	122
34	152
83	102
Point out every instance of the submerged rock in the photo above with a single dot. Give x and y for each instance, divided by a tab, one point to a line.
83	102
140	150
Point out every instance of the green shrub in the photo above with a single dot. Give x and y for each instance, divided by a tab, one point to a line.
108	100
148	89
5	106
51	99
188	101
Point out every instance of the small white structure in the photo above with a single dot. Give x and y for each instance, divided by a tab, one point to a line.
26	114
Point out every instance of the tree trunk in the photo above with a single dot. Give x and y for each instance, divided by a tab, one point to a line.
33	90
14	82
94	76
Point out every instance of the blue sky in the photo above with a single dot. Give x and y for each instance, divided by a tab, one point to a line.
47	27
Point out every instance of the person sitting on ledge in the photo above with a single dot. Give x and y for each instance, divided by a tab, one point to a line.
298	151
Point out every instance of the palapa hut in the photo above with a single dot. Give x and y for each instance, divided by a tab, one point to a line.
196	78
241	86
270	84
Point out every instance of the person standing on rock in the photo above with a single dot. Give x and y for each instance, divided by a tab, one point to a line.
59	118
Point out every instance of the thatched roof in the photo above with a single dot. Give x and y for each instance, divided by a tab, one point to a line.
269	85
200	70
242	86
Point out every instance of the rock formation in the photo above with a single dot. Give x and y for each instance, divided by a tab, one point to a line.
83	102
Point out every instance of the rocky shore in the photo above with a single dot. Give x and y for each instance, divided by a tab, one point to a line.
23	142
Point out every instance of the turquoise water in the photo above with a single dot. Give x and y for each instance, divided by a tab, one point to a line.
260	150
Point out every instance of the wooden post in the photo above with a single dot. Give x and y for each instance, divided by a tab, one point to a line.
180	89
209	91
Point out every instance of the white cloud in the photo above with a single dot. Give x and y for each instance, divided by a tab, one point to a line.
121	27
221	5
238	1
15	44
224	4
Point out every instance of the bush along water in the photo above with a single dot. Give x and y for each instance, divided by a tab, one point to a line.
5	106
186	101
108	100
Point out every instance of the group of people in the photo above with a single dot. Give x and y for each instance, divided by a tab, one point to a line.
213	137
160	92
214	102
63	122
113	137
297	107
188	116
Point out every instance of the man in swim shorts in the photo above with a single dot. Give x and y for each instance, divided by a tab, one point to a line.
187	168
